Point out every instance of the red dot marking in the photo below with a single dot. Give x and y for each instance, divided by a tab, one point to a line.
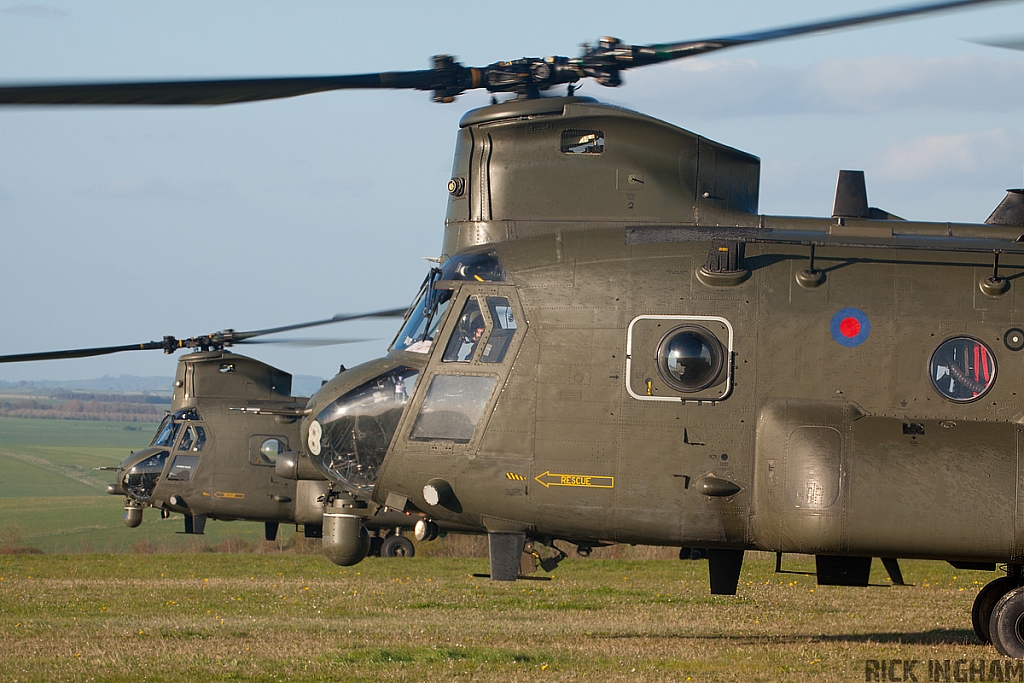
849	327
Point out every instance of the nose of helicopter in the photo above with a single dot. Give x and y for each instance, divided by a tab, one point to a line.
140	472
353	419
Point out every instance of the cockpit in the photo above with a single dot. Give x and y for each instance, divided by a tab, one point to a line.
349	438
428	309
167	432
180	433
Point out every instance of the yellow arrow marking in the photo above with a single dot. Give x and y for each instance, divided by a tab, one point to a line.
225	494
585	480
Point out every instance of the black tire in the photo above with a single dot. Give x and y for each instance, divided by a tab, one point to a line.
397	546
375	544
981	613
1007	624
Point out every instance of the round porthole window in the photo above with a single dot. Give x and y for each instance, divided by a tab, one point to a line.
690	358
962	369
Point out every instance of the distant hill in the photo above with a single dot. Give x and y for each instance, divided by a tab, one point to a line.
302	385
121	383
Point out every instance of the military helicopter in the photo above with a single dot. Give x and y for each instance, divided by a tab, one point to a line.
231	429
617	346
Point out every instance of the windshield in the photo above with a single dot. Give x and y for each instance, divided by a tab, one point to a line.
168	432
425	317
163	432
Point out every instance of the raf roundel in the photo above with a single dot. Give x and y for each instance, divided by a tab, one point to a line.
850	327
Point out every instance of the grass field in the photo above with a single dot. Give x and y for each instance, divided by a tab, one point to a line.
52	500
272	615
270	618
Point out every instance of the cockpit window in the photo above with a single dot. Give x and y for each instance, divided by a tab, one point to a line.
479	266
182	467
168	432
424	318
193	440
504	329
187	440
352	434
466	336
163	432
427	313
453	407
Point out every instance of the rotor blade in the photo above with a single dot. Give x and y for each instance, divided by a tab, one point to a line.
217	340
1009	42
226	91
79	353
666	51
305	342
341	317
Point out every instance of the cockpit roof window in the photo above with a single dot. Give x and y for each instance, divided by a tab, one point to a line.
478	266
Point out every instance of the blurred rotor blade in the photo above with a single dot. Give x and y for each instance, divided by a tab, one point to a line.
667	51
447	79
208	92
305	342
1008	42
80	353
341	317
215	341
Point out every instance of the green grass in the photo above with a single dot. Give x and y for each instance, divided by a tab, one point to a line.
56	457
76	433
25	475
201	615
266	618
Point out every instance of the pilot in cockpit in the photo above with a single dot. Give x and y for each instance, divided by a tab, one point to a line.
466	335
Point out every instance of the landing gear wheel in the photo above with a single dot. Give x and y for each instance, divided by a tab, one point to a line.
1007	624
397	546
375	545
981	613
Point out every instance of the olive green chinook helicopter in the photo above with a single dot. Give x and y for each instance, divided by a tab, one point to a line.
618	347
225	449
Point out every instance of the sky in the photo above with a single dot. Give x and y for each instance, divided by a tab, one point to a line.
122	225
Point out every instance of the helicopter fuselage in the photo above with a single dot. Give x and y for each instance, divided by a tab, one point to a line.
679	372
